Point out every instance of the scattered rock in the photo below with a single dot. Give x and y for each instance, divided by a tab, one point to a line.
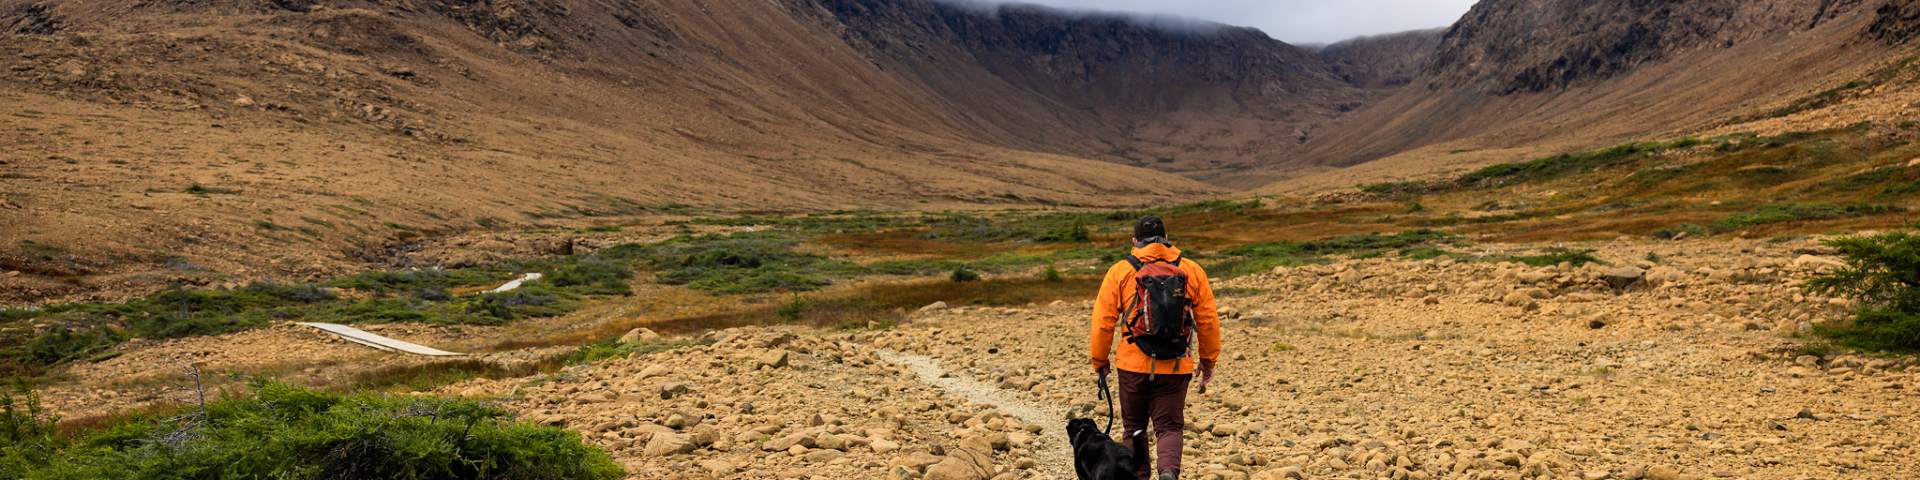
772	359
1814	263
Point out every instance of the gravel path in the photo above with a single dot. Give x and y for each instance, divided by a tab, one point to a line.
1056	457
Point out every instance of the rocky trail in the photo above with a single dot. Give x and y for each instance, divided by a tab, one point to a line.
1675	362
1056	452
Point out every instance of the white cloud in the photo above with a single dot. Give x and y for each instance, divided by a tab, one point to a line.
1295	21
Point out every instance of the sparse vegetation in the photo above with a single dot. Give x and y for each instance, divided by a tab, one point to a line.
888	303
613	348
1835	95
1261	257
1882	272
1401	189
1052	274
738	263
82	331
1568	164
1795	212
1557	255
282	431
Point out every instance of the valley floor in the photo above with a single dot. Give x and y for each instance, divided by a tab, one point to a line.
1378	368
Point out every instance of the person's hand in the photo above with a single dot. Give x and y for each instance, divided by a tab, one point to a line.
1206	374
1100	367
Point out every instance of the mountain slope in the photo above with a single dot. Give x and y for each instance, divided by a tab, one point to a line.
1516	79
1205	100
1383	61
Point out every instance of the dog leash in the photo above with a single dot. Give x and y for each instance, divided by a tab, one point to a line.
1107	395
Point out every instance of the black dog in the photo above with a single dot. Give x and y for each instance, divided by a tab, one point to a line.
1096	456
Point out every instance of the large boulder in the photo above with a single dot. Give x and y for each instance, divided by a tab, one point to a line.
664	444
776	358
962	464
1622	278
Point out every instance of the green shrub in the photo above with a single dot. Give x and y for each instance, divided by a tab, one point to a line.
27	434
61	344
1052	274
738	263
595	275
287	432
1882	272
1423	253
964	274
1076	233
613	348
792	310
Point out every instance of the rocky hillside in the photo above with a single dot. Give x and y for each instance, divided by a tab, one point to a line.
1209	101
1531	46
1514	79
1383	61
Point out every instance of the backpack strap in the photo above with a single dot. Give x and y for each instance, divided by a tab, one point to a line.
1137	263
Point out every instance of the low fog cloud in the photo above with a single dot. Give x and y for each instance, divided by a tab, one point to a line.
1294	21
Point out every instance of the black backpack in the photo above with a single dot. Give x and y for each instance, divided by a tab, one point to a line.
1159	318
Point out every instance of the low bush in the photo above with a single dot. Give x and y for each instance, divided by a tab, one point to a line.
1882	272
1052	274
738	263
286	432
964	274
27	433
613	348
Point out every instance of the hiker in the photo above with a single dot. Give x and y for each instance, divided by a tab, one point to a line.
1170	330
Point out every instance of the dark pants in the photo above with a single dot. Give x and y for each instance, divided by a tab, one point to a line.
1161	398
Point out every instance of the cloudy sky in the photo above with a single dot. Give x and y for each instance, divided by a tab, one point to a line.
1296	21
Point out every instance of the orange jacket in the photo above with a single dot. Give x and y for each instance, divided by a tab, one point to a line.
1118	290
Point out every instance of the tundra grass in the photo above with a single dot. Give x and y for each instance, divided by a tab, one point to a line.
34	341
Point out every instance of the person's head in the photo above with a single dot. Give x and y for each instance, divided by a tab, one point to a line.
1150	229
